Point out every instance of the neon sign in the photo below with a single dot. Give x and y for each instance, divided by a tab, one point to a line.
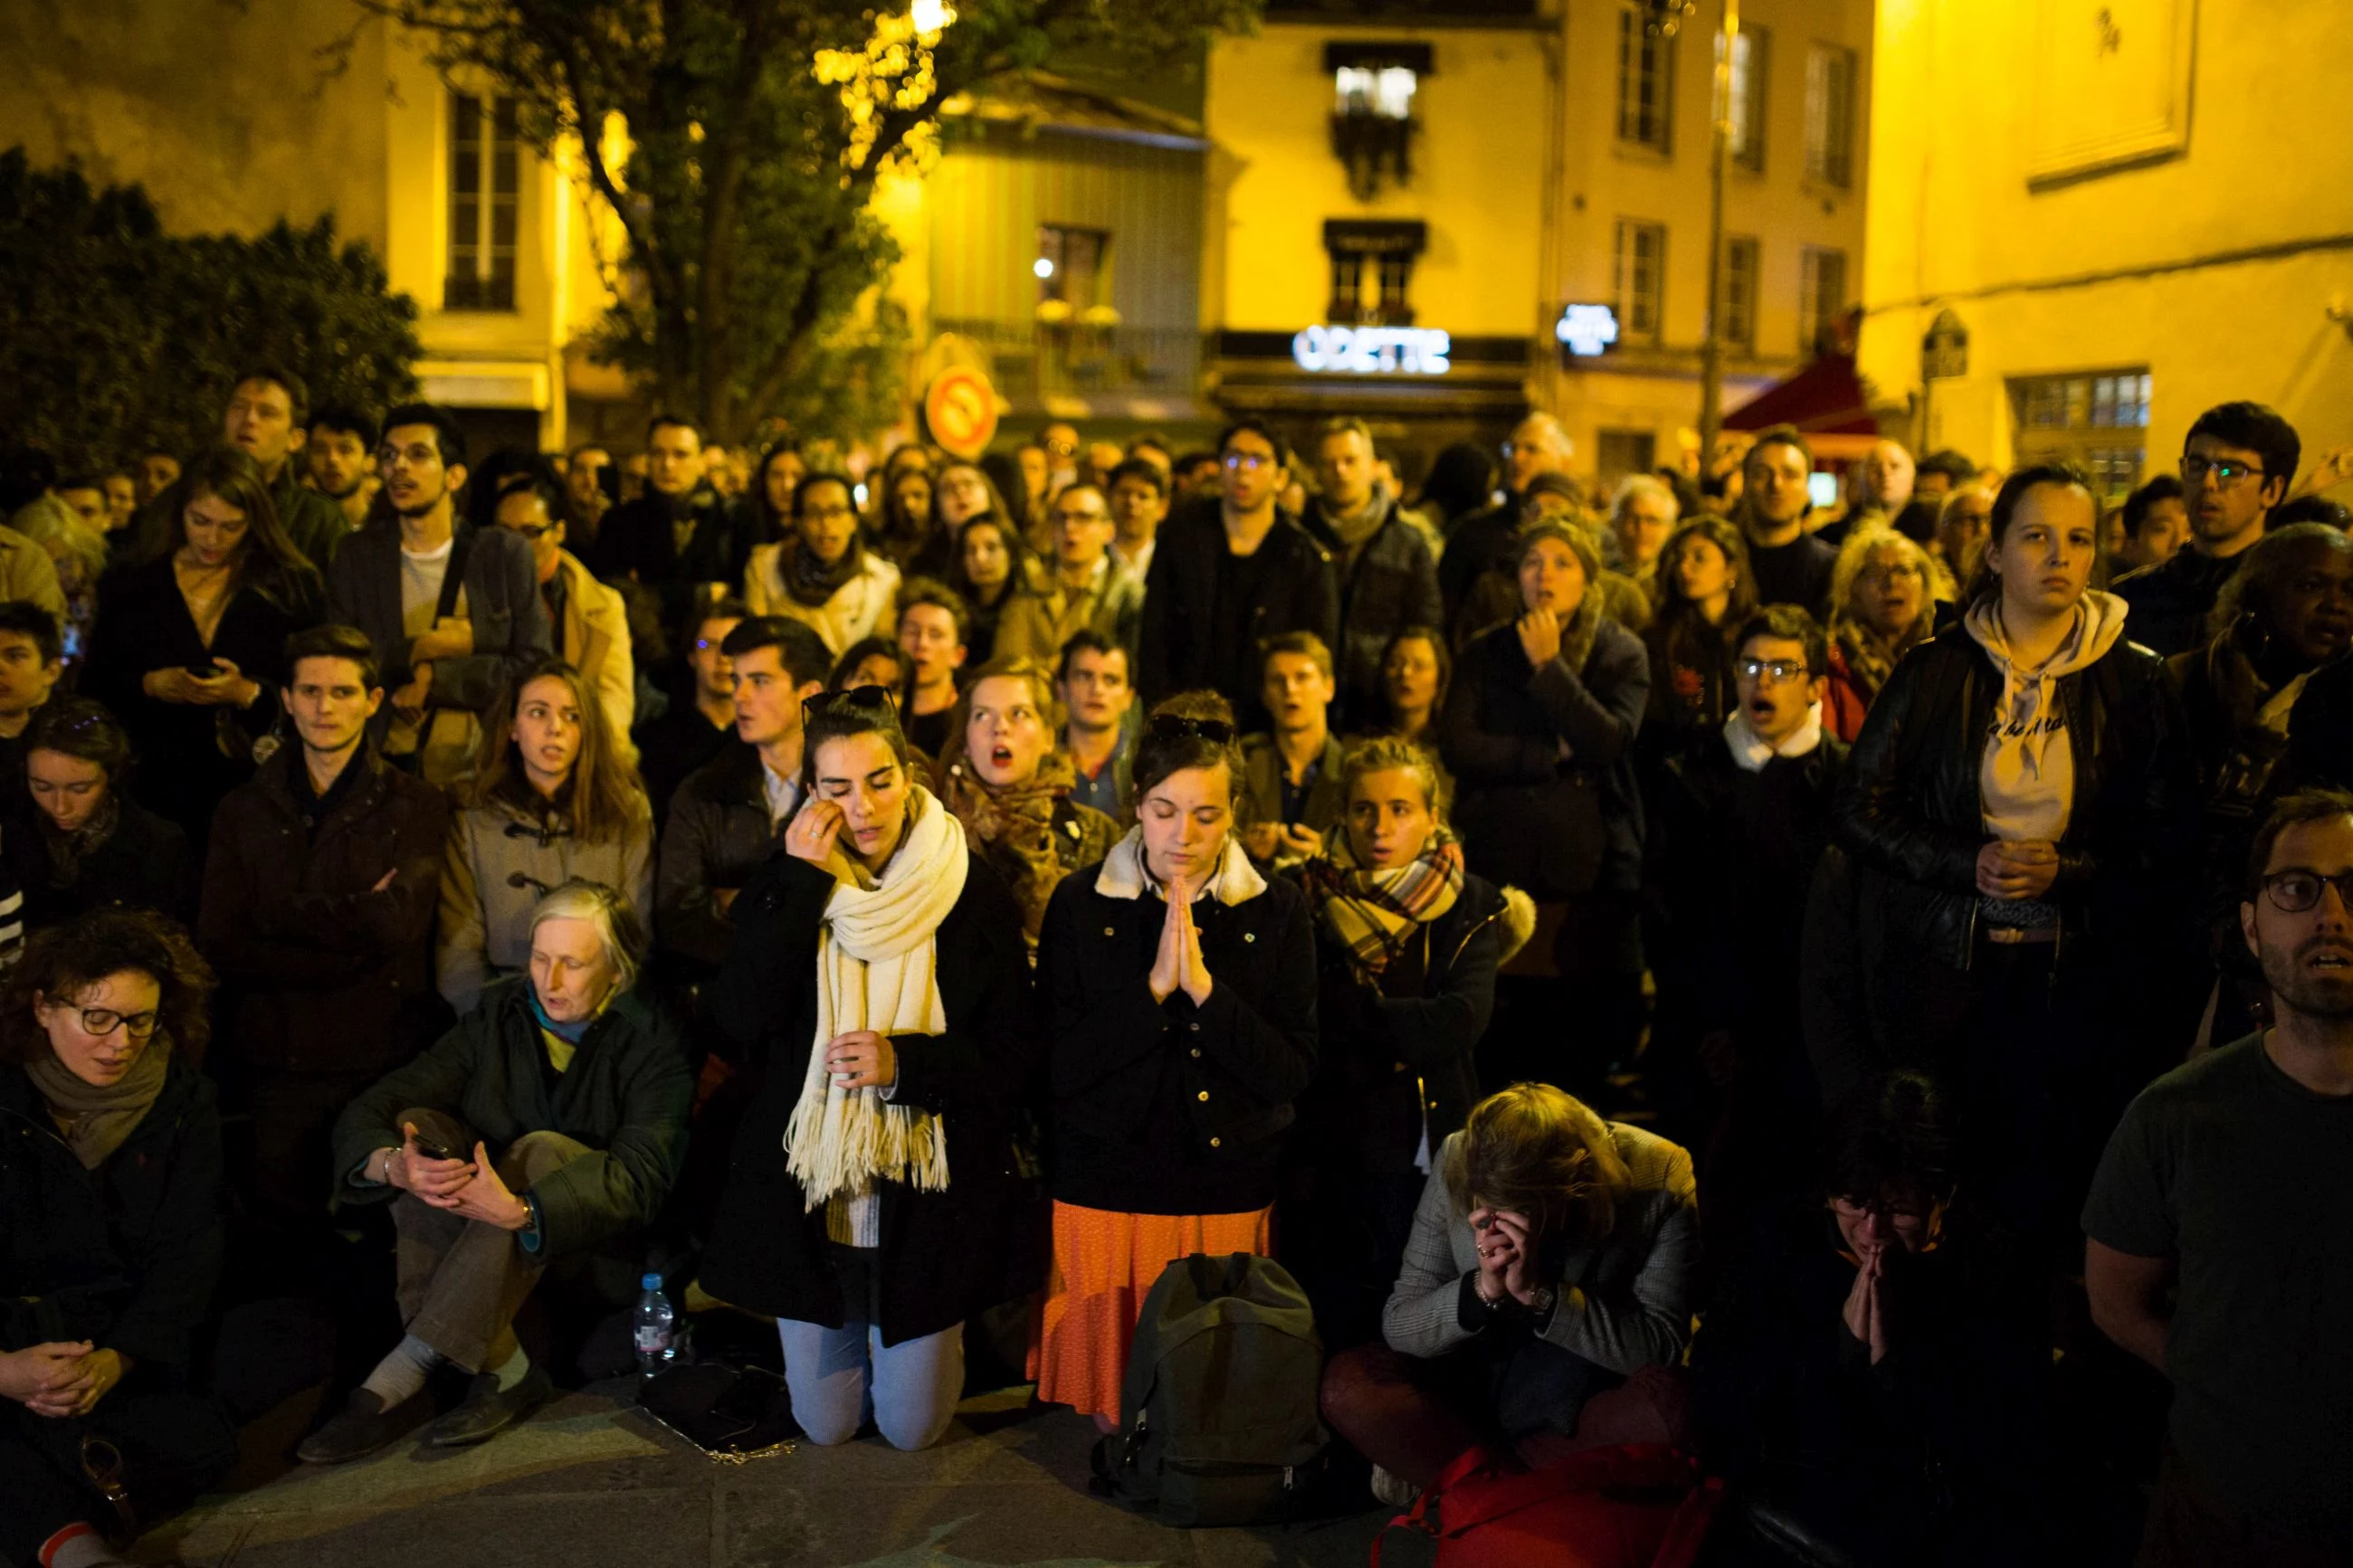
1585	330
1372	351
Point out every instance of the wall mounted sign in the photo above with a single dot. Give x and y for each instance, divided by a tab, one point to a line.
1372	351
1944	349
960	411
1586	331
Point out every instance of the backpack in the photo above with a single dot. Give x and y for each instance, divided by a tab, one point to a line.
1219	1412
1631	1505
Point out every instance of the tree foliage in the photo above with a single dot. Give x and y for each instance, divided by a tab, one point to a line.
114	335
757	131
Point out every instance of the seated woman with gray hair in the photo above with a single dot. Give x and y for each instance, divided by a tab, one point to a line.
544	1132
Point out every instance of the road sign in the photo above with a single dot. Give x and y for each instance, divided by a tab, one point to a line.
1945	352
960	410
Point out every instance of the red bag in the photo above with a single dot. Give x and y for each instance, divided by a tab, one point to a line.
1632	1505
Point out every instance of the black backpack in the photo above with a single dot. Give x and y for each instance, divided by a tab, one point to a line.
1218	1417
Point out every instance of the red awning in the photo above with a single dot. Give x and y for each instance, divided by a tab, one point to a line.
1823	399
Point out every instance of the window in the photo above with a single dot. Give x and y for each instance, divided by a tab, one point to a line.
485	182
1373	88
1822	299
1624	452
1830	116
2097	418
1736	320
1641	278
1646	70
1748	113
1069	267
1381	253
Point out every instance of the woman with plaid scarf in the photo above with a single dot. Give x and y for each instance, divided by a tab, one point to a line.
1407	946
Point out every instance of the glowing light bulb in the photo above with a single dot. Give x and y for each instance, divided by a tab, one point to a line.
931	15
1042	268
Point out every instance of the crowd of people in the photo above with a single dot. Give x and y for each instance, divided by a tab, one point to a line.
1834	989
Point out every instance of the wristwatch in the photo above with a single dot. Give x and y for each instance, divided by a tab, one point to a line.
1541	1301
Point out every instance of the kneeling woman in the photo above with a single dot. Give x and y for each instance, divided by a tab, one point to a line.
880	984
1551	1260
583	1088
110	1233
1179	993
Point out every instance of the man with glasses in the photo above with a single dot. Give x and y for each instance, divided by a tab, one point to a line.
1091	589
592	623
2238	463
1738	821
1227	576
1388	576
1482	543
2217	1233
701	719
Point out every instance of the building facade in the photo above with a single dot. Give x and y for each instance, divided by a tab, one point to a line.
2146	209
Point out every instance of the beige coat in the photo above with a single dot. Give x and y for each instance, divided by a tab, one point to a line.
485	927
595	640
27	573
859	608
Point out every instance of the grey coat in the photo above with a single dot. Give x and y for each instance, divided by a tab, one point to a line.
1624	1305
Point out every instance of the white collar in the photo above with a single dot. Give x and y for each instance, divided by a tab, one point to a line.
1749	750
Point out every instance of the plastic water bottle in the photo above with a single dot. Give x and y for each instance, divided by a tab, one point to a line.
657	1337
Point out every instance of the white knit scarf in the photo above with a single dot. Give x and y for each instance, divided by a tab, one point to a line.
876	968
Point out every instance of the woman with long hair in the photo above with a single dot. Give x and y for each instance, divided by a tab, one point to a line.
111	1212
767	500
1884	590
878	975
903	528
1552	1262
188	647
78	842
1705	591
1178	989
1407	945
1008	782
992	565
2014	811
550	799
1414	670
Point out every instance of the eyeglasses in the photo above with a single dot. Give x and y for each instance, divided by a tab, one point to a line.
2194	470
1176	727
1249	462
1779	669
2295	891
106	1020
860	699
1062	448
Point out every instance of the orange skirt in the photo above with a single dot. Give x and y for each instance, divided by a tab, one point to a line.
1105	1263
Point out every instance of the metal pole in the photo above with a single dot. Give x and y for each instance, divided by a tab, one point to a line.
1711	364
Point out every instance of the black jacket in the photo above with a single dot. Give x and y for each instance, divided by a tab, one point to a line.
638	540
1911	821
321	971
1181	652
1163	1107
943	1255
717	835
144	864
1391	585
2320	732
2171	600
674	746
626	1096
1475	546
1556	825
1390	1055
127	1255
502	604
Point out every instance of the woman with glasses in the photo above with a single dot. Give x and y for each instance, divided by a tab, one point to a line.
550	799
1885	589
1538	731
1867	1367
111	1235
2015	813
1178	989
820	573
879	979
79	842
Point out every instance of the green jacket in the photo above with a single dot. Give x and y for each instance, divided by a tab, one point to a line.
626	1096
313	521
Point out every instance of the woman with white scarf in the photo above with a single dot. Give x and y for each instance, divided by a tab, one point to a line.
2020	824
878	982
1178	987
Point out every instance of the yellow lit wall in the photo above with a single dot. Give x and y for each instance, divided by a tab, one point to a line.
2213	262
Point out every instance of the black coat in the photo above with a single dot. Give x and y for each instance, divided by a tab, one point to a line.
2320	732
638	540
1163	1107
1556	825
626	1096
1391	585
1390	1055
323	971
2171	600
1298	593
127	1255
943	1255
144	864
1475	546
717	835
674	746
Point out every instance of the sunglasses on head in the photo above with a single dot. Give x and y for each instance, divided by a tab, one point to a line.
1176	727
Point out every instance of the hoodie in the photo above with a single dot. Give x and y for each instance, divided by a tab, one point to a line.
2026	781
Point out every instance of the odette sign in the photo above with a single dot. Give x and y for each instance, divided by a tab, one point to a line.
1372	351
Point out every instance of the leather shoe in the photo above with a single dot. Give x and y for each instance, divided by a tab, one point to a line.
487	1411
362	1426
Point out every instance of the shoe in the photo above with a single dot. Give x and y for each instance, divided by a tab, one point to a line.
362	1426
487	1412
